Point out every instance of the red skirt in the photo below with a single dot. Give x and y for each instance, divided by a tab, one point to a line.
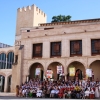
91	96
60	95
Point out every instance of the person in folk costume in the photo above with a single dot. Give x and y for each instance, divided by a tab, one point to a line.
97	91
69	93
91	96
68	76
80	83
80	74
88	82
65	94
71	87
17	90
93	87
76	75
24	92
87	92
39	92
20	92
92	75
60	94
97	81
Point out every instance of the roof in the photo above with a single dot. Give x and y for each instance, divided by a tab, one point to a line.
2	45
71	22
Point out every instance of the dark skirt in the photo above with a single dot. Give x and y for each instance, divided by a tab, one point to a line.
47	95
34	94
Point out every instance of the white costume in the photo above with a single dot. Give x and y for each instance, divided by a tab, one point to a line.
97	92
87	92
39	93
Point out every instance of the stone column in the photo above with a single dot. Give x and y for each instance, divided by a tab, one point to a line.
65	72
64	50
86	47
45	70
6	63
68	48
6	84
46	49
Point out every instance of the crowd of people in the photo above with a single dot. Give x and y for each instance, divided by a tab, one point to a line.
84	89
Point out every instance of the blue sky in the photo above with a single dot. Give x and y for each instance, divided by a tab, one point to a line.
78	9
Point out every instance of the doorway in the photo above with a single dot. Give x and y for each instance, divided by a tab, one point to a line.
36	71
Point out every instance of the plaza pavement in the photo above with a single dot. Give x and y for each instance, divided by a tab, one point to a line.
9	96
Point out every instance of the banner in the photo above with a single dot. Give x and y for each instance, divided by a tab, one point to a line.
59	69
72	71
37	72
49	73
89	72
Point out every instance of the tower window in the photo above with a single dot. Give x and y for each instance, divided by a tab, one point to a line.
28	30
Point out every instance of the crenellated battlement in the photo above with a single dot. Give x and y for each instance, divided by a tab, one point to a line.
32	7
25	8
29	16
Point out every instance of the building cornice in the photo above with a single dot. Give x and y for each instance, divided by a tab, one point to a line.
71	22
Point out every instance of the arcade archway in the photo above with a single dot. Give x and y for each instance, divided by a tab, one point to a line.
95	66
36	71
53	67
79	70
2	82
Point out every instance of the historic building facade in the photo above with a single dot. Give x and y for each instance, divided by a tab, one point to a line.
46	45
6	61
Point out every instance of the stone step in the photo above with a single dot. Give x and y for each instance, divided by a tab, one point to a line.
7	94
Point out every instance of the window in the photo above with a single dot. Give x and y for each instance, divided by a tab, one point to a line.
2	61
16	58
76	48
28	30
37	50
95	46
48	28
55	49
10	60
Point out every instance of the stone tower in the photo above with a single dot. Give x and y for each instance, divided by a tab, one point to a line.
28	17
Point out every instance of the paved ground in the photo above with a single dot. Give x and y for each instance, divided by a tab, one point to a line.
9	96
14	97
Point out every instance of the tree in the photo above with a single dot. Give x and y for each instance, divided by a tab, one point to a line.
61	18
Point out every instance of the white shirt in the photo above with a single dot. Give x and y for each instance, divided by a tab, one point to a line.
24	91
87	93
92	92
99	88
56	91
39	92
52	91
89	88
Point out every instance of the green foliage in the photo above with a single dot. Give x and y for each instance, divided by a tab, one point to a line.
61	18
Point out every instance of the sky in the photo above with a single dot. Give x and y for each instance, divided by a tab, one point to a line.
78	9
